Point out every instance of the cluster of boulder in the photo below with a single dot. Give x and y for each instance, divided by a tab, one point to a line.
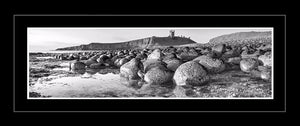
180	66
100	59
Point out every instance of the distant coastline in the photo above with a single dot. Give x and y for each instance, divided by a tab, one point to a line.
62	51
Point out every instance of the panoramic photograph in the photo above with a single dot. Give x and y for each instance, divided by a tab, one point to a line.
149	63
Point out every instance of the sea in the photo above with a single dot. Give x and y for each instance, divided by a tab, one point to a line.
63	51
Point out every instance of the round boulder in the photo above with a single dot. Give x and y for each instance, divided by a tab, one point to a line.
130	69
247	65
169	56
71	57
102	59
83	58
234	60
62	57
96	66
89	62
121	62
77	65
190	73
266	59
233	63
95	57
266	72
158	75
210	64
148	64
141	56
173	64
265	75
187	56
155	55
266	47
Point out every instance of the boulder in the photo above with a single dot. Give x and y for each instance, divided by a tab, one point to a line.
70	57
245	48
210	64
266	59
247	65
94	58
190	73
121	62
185	49
129	57
179	91
97	66
114	58
266	75
62	57
141	56
266	72
264	68
158	75
141	74
218	49
234	60
266	47
173	64
187	56
102	59
233	63
83	58
169	56
245	55
230	53
130	69
76	56
148	64
89	62
77	65
80	71
155	55
204	51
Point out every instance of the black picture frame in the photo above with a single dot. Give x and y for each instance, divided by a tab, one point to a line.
22	105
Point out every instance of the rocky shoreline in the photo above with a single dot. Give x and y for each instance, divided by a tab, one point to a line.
208	71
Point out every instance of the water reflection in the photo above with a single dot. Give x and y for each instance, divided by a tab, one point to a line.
89	82
132	83
80	71
85	85
100	71
108	74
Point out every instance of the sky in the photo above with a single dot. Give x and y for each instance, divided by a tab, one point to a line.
46	39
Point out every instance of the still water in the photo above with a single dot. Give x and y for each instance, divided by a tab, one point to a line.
84	83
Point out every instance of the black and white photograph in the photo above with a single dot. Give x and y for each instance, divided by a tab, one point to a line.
111	63
150	63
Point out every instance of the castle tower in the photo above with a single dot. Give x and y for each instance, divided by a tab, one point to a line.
172	34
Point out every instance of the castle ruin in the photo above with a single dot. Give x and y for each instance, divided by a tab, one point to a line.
172	34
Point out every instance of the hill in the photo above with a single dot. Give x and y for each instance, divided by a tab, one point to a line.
241	37
150	42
